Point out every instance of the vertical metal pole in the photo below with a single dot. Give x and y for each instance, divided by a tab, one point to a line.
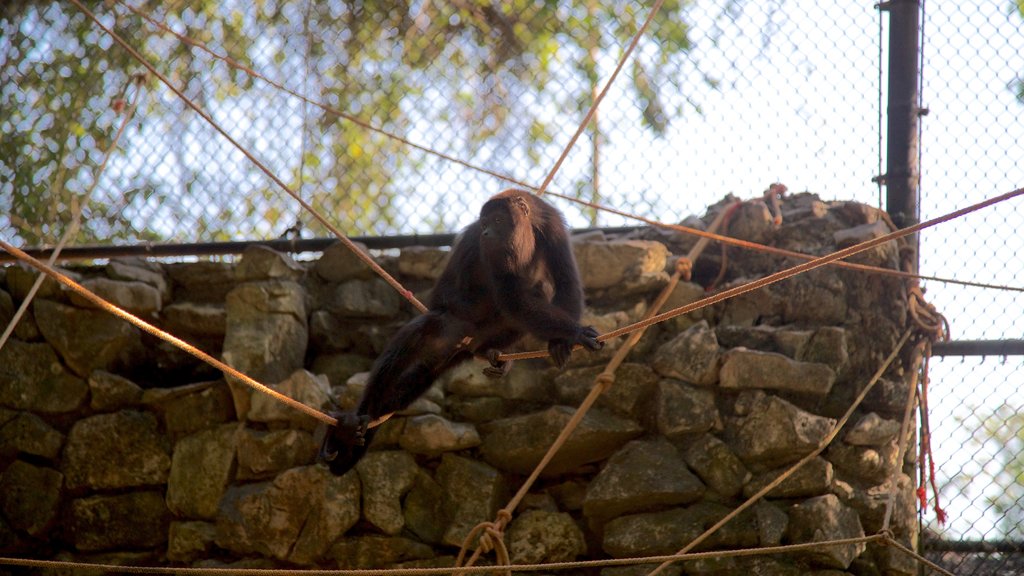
901	178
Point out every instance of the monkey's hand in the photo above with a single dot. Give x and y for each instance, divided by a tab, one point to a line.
498	368
349	431
560	349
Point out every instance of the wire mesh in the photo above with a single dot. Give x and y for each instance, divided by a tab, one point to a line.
723	96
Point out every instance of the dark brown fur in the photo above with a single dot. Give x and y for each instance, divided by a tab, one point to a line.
511	273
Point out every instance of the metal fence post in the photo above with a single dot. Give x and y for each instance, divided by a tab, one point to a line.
901	177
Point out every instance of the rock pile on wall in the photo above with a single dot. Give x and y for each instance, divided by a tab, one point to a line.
116	447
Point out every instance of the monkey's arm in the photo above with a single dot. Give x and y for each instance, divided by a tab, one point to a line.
412	360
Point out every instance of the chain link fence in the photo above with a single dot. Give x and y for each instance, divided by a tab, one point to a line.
722	96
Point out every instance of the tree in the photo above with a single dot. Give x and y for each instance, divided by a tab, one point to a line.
423	69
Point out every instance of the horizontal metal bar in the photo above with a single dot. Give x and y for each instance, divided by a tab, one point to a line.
296	245
972	546
979	348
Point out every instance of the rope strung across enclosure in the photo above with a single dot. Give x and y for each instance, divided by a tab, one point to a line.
786	273
803	461
79	203
551	566
143	325
597	101
519	182
408	295
325	107
491	533
757	247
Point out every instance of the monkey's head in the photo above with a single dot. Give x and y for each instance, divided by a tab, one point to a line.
507	231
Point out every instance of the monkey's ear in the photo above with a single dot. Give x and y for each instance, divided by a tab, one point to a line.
522	204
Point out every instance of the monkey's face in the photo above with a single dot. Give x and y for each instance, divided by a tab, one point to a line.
506	234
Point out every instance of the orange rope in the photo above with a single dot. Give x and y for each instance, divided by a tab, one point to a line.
787	273
78	205
143	325
280	183
597	101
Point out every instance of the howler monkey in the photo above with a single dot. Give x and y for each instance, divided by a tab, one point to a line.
511	273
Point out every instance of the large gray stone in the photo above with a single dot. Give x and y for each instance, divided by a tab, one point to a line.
262	454
88	340
267	518
473	492
364	299
812	479
605	265
425	513
33	378
119	450
112	392
422	262
26	433
366	552
202	282
338	263
263	263
775	432
517	444
197	495
133	521
751	369
21	277
682	410
191	319
313	390
716	465
190	540
191	408
30	496
266	334
692	356
629	395
643	475
870	464
26	329
136	270
431	435
539	536
665	532
139	298
822	519
815	298
872	430
386	477
335	510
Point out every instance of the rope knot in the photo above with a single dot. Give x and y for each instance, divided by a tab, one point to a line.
605	380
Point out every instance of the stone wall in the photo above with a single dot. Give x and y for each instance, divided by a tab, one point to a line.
118	448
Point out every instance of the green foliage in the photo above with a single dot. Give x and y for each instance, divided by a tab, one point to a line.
467	65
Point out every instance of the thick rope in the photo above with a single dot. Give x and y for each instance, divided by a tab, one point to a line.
408	295
756	247
908	411
76	212
890	541
803	461
786	273
518	182
602	382
143	325
552	566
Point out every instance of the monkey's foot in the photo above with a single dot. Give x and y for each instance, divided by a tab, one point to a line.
349	431
498	368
